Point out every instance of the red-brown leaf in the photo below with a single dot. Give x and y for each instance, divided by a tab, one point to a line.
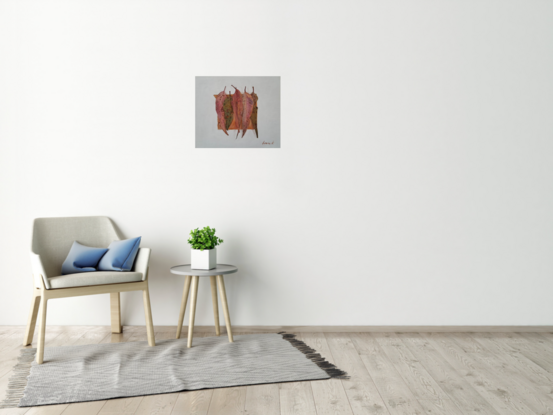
247	107
254	112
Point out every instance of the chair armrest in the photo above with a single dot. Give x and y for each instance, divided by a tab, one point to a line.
39	274
142	261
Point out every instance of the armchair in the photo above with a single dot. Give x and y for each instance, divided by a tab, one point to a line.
51	241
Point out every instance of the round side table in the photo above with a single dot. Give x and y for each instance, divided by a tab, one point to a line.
193	277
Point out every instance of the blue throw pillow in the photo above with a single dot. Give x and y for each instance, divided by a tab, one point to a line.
120	255
82	258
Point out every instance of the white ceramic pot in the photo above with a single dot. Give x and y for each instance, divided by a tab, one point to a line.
206	259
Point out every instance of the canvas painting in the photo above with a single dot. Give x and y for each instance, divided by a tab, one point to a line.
237	112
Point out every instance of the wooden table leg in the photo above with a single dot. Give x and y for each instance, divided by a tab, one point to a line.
183	304
193	298
215	304
223	293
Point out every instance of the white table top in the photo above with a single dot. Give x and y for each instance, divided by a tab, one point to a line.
221	269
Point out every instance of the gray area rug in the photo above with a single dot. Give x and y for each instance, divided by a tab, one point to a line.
106	371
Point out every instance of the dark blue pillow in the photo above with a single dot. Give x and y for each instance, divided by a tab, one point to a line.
82	258
120	255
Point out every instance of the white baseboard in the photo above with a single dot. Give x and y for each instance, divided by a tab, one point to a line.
374	329
337	329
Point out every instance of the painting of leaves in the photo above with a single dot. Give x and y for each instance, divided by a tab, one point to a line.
237	112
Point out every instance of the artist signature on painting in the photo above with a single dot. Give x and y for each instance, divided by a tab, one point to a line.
268	144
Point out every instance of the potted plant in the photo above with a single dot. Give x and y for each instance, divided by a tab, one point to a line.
204	253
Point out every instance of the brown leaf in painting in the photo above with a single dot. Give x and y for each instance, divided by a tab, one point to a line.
237	107
247	107
219	103
227	108
254	112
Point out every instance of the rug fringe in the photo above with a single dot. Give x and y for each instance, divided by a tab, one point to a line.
315	357
18	381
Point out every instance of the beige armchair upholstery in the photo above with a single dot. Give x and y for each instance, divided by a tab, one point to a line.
93	278
51	241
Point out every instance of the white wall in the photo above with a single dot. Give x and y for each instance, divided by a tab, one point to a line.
413	186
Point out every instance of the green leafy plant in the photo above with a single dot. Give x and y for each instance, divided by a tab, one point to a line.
204	238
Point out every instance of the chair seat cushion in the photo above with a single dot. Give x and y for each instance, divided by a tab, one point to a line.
93	278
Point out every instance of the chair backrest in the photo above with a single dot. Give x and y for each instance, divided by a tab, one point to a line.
53	237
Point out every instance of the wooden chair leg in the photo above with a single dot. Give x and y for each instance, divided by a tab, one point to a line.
31	324
215	304
148	314
115	306
183	304
193	298
223	293
42	330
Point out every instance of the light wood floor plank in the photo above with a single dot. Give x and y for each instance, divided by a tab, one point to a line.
537	349
92	336
157	404
548	337
467	399
524	346
318	342
394	391
480	378
518	386
6	331
364	398
121	406
84	408
14	411
193	402
164	335
468	343
67	337
520	342
538	341
296	398
329	395
47	410
513	375
263	399
9	339
415	376
127	334
228	401
540	377
346	356
440	407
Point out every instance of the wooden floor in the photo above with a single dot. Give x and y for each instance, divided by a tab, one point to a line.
391	373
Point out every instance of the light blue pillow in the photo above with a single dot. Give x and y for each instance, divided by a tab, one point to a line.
82	258
120	255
